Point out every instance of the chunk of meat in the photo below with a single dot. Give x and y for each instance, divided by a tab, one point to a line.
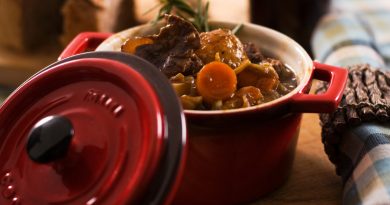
223	42
173	49
244	97
253	53
251	94
284	73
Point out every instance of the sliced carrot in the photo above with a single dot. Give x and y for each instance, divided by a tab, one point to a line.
216	81
131	44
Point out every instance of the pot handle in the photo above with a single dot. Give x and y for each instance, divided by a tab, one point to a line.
86	41
328	101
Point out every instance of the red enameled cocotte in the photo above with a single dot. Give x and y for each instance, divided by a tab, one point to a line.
105	127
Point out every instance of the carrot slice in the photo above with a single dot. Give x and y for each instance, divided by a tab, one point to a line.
216	81
131	44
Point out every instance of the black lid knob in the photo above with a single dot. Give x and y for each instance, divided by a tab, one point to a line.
49	139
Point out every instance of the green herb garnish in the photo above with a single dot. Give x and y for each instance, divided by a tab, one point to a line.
237	28
198	17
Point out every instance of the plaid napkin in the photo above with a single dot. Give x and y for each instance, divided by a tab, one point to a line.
358	32
368	148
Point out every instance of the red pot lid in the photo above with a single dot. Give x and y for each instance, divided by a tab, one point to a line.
96	128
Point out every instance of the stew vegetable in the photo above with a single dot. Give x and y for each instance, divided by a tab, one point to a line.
212	70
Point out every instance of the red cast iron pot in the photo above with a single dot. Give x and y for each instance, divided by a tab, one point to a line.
106	128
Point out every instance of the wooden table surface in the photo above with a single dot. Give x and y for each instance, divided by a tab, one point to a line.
313	179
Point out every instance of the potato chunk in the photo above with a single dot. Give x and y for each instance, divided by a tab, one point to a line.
262	76
221	41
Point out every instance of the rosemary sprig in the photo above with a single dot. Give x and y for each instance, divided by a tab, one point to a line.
201	17
198	17
237	28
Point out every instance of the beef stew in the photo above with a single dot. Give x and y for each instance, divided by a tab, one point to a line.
213	70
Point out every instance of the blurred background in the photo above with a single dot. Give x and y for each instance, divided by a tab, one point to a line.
33	32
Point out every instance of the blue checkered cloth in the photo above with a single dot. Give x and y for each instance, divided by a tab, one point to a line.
358	32
369	182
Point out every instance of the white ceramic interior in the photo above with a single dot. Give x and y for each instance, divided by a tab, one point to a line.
271	43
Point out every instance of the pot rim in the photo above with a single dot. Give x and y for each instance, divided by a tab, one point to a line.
113	44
